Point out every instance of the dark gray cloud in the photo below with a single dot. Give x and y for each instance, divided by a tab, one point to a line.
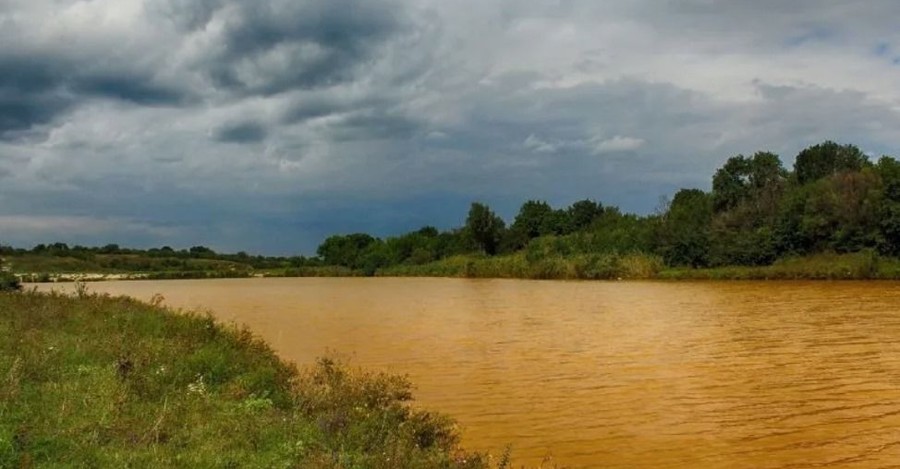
266	125
30	93
276	46
134	89
35	90
247	132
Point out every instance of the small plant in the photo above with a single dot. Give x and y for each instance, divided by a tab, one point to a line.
9	282
81	289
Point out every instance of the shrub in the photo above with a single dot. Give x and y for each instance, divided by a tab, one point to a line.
9	282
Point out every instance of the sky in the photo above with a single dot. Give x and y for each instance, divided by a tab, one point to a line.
267	125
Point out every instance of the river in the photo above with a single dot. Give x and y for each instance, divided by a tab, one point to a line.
611	374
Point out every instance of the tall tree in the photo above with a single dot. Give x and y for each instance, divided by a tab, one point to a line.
345	250
741	179
889	170
533	219
583	213
826	159
746	196
485	228
685	237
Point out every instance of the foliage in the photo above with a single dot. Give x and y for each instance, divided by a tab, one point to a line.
685	235
8	281
862	265
345	250
484	228
826	159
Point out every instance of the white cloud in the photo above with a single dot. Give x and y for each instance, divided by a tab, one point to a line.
537	145
616	143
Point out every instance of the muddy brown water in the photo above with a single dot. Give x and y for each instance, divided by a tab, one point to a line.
622	374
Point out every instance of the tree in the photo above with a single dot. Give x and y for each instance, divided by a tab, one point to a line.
730	183
685	237
484	228
109	249
534	219
843	212
345	250
744	179
747	193
826	159
889	171
583	213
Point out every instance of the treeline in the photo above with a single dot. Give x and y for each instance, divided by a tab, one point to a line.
833	200
112	257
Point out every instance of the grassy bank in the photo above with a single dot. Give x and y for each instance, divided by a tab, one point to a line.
865	265
117	264
829	266
856	266
323	271
588	267
94	381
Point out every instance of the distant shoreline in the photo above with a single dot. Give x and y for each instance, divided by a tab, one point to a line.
855	266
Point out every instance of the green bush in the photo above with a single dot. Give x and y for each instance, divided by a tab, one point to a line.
9	282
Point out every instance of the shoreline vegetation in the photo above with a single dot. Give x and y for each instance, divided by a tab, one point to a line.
864	265
168	388
834	215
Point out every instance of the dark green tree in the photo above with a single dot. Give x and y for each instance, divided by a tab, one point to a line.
747	193
826	159
583	213
534	219
345	250
484	228
842	212
889	170
743	179
685	235
730	184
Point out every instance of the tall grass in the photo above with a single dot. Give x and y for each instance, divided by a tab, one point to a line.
94	381
865	265
318	271
607	266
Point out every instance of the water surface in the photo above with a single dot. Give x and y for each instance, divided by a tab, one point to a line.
643	374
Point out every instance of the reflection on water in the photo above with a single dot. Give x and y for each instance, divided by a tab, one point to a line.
607	374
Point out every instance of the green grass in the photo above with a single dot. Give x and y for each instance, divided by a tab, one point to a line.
865	265
323	271
582	266
117	263
542	262
830	266
95	381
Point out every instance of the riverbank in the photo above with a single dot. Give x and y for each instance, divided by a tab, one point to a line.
98	381
866	265
855	266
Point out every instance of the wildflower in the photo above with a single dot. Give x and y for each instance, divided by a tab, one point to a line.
198	386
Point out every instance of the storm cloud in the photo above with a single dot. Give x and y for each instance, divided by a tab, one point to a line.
267	125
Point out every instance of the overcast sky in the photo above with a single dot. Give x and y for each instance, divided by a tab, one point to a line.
265	125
